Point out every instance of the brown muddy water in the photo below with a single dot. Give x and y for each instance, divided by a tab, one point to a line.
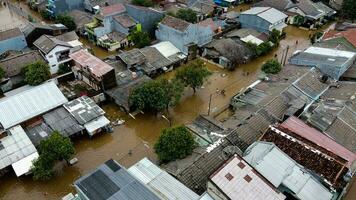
139	135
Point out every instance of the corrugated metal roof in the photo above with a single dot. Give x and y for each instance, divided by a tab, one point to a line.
280	169
162	184
271	15
166	48
96	124
30	103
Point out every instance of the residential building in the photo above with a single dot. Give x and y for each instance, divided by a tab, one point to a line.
124	24
263	19
55	51
17	150
80	19
33	31
184	35
337	39
336	4
160	182
284	173
225	3
236	179
55	7
12	39
25	107
112	181
331	62
94	6
88	114
93	71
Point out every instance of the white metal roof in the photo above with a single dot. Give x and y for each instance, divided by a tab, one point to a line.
280	169
14	147
160	182
96	124
330	52
24	165
271	15
30	103
166	48
253	39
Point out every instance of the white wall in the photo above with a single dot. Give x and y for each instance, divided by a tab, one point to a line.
52	58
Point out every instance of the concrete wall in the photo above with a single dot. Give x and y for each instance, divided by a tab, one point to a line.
254	22
15	43
62	6
119	28
106	28
52	59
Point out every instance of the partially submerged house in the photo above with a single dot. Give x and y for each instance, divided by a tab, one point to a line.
12	39
56	7
80	18
93	71
340	39
263	19
331	62
33	31
112	181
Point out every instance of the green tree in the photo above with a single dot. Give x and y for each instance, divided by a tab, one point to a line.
67	21
188	15
140	38
275	36
55	148
156	95
272	66
45	14
146	3
263	48
36	73
63	68
193	74
2	73
348	9
174	143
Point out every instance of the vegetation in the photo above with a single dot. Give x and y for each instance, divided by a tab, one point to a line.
259	50
156	95
36	73
2	73
45	15
146	3
30	18
275	36
193	74
55	148
188	15
298	20
63	68
140	38
67	21
174	143
348	9
272	66
316	36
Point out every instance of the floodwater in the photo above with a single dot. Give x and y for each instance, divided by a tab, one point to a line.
9	19
138	135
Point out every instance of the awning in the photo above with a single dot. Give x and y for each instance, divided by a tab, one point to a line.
24	165
252	39
96	124
279	27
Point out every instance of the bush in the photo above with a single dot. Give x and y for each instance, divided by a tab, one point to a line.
36	73
275	36
145	3
263	48
348	9
2	73
45	15
67	21
272	66
188	15
63	68
174	143
140	38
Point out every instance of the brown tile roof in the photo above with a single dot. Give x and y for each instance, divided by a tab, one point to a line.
46	43
4	35
175	23
349	35
113	9
125	20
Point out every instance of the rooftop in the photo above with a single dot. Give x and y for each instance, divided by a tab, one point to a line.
30	103
46	43
80	18
271	15
112	10
11	33
112	181
125	20
95	65
238	180
160	182
175	23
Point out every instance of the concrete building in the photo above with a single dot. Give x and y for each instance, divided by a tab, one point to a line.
184	35
263	19
55	7
331	62
12	39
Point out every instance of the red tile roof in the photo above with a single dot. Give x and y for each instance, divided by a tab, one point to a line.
208	23
114	9
95	65
300	128
349	35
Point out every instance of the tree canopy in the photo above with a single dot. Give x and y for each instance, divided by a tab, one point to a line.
55	148
156	95
2	73
272	66
193	74
140	38
146	3
348	9
63	68
174	143
36	73
67	21
188	15
275	36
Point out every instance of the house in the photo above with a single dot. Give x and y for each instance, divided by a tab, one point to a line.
336	4
12	39
203	8
285	173
93	71
263	19
55	51
345	38
124	24
184	35
88	114
94	6
80	18
13	64
26	106
157	180
17	150
112	181
236	179
33	31
226	3
55	7
331	62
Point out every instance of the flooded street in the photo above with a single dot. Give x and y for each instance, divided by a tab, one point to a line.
139	135
10	20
